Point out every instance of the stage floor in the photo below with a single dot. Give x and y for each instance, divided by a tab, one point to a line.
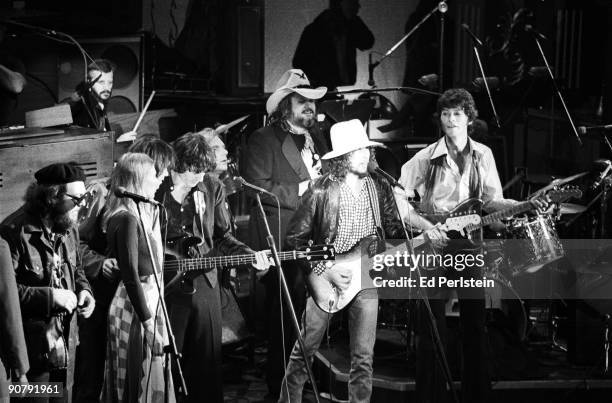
537	372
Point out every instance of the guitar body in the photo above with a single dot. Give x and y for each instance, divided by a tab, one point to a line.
177	249
330	298
470	237
325	294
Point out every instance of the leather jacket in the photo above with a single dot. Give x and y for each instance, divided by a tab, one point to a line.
316	219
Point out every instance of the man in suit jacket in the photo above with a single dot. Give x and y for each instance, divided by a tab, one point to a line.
282	158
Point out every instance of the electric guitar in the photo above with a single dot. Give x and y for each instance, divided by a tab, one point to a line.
181	259
332	299
472	233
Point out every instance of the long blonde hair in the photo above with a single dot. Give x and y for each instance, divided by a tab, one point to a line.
129	173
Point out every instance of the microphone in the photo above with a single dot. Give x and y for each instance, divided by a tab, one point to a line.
84	88
529	28
122	192
442	7
241	180
373	167
586	129
477	41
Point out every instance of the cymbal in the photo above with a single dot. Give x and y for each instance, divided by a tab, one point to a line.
385	89
559	182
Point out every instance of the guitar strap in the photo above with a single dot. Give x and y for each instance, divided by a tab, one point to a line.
374	204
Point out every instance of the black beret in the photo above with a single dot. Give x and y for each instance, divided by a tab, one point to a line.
59	174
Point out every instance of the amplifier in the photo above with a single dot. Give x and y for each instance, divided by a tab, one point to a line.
21	157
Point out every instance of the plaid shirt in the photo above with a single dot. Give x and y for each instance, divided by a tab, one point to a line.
356	220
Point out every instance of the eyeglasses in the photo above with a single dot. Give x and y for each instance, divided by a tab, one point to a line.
81	201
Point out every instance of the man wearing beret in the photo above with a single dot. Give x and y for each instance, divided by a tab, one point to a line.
43	243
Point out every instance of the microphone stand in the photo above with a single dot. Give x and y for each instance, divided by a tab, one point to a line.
441	56
285	290
170	349
373	65
422	296
484	79
556	88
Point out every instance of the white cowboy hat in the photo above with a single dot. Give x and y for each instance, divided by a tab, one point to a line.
293	80
348	136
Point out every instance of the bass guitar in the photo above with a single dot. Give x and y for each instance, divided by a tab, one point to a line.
181	259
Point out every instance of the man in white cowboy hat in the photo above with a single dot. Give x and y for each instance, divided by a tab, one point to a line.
344	206
282	158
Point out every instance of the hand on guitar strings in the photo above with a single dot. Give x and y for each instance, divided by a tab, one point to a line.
262	262
339	276
437	237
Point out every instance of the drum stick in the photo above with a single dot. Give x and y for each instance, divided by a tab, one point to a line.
144	110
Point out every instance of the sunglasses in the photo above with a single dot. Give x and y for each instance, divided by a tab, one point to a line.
81	201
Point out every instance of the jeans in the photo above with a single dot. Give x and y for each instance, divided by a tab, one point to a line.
363	313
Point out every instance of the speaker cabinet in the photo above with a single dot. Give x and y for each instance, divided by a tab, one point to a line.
20	158
126	52
245	36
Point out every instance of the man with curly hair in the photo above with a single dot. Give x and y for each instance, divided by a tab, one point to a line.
196	207
344	206
444	174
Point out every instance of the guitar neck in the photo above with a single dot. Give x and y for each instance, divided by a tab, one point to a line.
218	262
499	215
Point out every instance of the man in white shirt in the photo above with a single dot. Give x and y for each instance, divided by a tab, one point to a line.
444	174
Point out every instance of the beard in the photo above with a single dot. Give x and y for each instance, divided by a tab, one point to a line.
61	223
103	96
304	121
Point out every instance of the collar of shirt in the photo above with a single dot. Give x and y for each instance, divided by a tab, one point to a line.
440	150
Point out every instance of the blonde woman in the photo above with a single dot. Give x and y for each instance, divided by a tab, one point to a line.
136	332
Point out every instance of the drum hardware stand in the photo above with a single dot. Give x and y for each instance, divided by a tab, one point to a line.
603	203
555	328
606	344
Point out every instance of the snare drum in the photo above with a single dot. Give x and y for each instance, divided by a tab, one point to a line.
535	244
